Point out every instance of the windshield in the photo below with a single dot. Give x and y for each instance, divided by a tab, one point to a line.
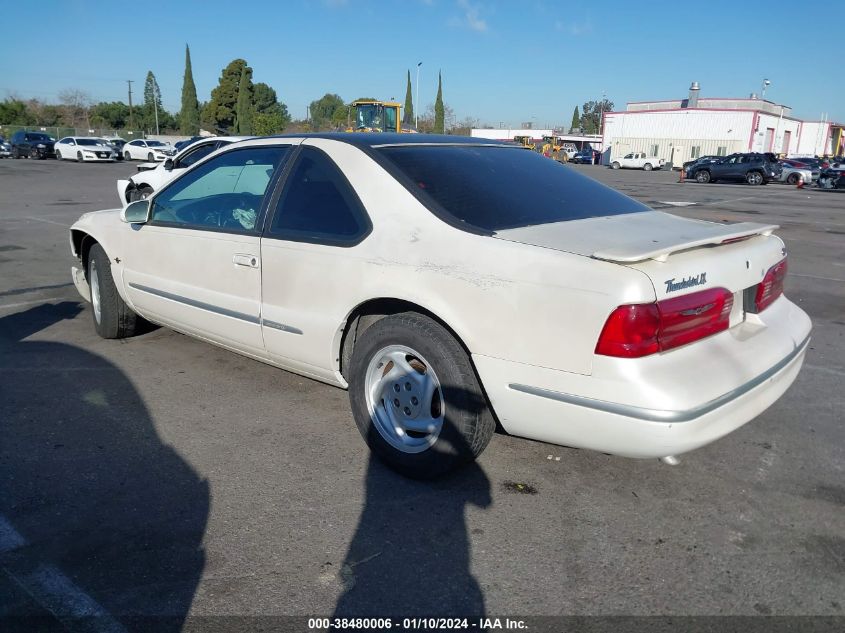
90	141
38	137
368	115
155	144
495	188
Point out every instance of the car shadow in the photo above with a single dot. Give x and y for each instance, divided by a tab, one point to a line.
411	551
101	516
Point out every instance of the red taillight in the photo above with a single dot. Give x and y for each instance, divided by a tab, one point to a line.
630	331
771	287
633	331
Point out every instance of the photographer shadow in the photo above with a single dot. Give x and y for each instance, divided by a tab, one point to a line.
104	511
410	555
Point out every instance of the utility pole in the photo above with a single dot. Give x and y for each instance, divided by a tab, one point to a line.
131	117
417	107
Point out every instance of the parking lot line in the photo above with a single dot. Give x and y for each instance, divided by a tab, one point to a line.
817	277
55	592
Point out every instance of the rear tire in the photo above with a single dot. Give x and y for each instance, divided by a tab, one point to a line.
112	317
436	388
647	167
792	179
754	178
615	165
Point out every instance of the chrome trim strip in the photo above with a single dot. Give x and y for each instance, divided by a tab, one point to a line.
662	415
197	304
280	326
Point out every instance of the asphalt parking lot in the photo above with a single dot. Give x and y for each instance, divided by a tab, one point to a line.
162	476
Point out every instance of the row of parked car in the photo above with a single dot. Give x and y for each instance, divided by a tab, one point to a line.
762	168
39	145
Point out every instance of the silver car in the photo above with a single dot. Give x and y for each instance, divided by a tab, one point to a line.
791	175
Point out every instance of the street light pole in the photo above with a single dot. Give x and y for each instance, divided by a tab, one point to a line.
417	107
766	84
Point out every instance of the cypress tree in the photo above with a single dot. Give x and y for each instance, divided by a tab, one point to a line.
243	108
408	119
576	119
189	117
439	113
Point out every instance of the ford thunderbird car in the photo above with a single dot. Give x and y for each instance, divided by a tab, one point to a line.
413	271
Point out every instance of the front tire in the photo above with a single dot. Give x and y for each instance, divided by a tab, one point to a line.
415	397
127	155
792	179
702	176
150	158
78	157
58	155
112	317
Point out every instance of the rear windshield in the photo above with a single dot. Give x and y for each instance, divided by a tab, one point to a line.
495	188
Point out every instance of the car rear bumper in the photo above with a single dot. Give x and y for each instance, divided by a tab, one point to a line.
665	406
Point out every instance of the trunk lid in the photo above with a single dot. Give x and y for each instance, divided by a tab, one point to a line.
679	255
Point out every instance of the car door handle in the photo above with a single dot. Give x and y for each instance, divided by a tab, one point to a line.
240	259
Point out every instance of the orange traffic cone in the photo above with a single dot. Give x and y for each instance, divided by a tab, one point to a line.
681	179
800	184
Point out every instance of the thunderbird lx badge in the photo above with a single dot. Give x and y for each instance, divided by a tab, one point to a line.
697	280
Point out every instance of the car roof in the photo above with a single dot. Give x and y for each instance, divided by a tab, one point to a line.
380	139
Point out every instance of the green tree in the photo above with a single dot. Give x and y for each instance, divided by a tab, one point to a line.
439	112
152	103
15	112
114	114
327	109
576	120
243	107
269	115
591	115
189	116
219	112
408	118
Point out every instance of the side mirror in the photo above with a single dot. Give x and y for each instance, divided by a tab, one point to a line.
168	164
137	212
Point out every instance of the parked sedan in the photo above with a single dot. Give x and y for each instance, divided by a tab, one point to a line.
5	148
583	157
793	173
148	150
84	149
143	184
413	270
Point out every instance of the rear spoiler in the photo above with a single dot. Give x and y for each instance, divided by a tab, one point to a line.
659	247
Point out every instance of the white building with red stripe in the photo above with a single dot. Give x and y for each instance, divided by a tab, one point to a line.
683	129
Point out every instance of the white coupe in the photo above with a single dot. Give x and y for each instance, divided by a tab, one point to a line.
414	271
150	179
148	150
84	148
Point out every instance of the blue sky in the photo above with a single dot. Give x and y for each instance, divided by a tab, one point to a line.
502	62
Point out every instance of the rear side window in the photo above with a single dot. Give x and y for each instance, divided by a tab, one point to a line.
495	188
318	204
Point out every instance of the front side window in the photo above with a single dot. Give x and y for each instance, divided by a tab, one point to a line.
495	188
225	193
318	204
195	155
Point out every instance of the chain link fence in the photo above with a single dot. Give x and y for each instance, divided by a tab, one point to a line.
60	132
